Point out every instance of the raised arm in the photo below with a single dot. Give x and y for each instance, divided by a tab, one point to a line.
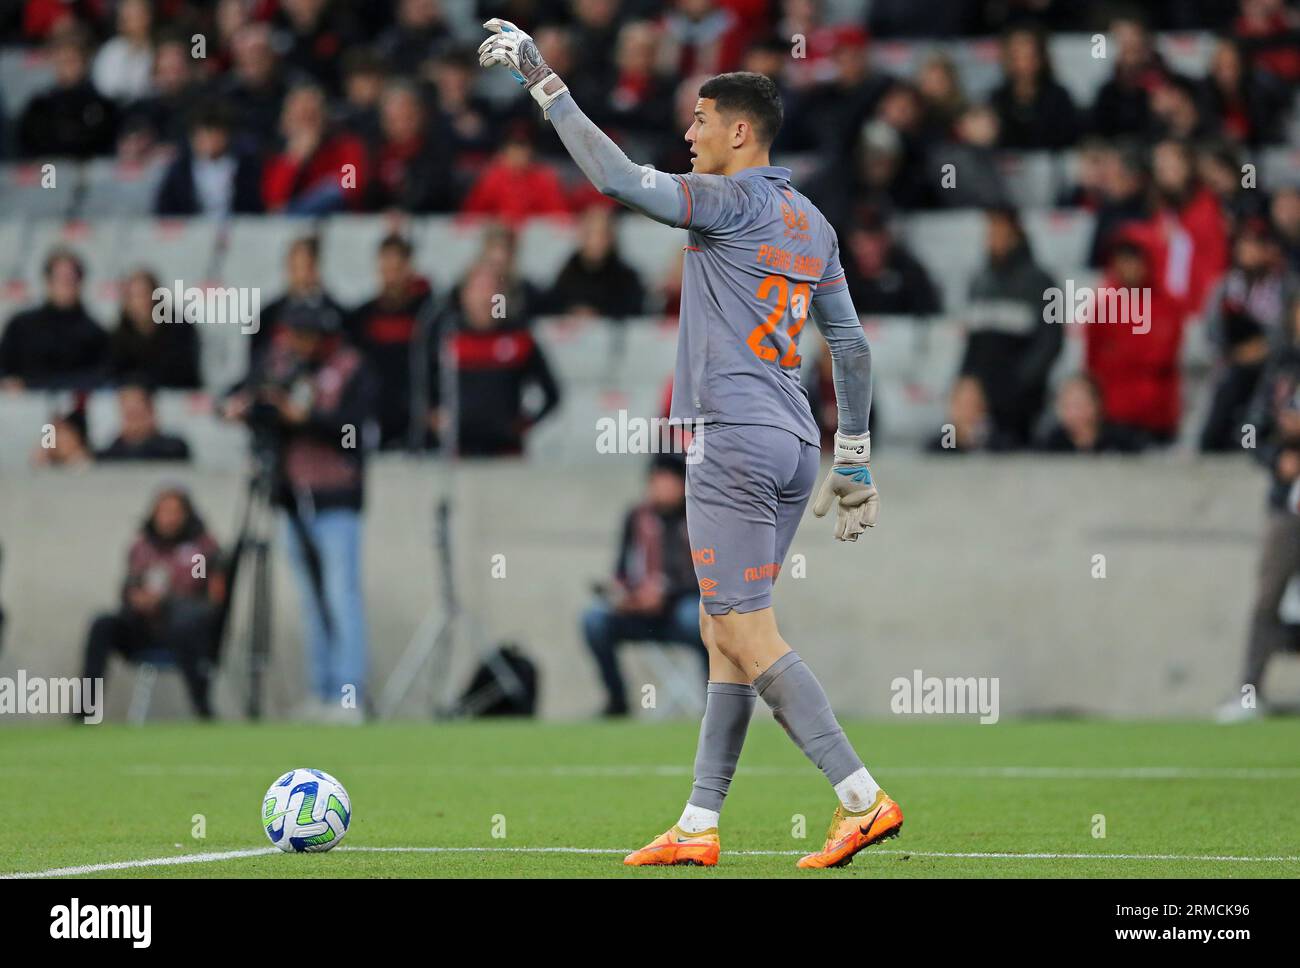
651	192
641	188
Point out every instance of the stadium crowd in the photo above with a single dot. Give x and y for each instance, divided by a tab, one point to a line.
289	94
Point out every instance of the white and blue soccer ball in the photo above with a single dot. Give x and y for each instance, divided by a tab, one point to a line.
306	810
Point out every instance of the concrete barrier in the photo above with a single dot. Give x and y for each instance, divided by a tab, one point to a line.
979	567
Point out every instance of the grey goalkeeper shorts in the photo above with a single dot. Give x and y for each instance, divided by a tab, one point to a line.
746	488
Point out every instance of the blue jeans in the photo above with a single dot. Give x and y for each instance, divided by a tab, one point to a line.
605	630
338	657
321	200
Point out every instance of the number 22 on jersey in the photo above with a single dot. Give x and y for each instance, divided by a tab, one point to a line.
796	300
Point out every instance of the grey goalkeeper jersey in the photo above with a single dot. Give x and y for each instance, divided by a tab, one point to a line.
758	252
760	260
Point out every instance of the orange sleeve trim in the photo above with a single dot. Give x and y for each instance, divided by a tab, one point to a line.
832	282
690	248
690	203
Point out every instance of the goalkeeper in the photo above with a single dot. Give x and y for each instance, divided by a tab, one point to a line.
760	260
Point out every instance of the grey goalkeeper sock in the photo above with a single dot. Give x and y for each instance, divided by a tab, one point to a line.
799	704
728	707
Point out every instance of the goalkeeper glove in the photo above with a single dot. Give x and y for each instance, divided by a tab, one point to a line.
849	486
512	47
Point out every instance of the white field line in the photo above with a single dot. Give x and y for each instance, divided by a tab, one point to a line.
215	856
974	772
122	865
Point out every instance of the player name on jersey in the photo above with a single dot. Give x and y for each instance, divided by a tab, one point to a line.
785	260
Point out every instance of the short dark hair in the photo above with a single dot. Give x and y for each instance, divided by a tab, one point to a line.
140	382
213	114
395	241
753	96
63	254
307	243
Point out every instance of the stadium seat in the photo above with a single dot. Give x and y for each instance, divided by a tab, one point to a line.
115	188
569	434
1071	359
252	251
577	353
917	363
1198	353
1076	69
13	233
1279	165
951	247
622	355
24	72
674	671
15	296
102	419
1060	240
223	355
184	250
446	247
1292	135
22	191
898	57
148	666
978	65
22	415
649	247
1030	177
545	244
1188	53
349	253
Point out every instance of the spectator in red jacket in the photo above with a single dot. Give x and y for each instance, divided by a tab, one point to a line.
43	18
1133	341
1192	233
1270	33
515	186
318	171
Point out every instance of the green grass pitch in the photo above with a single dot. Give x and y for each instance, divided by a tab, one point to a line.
1178	799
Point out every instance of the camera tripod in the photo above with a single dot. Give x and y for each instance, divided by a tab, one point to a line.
430	649
254	541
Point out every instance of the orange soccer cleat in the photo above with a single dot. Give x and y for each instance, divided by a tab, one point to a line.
676	846
850	832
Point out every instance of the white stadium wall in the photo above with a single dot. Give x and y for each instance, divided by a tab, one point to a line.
979	567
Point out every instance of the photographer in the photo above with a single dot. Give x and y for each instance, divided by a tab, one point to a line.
1244	317
308	404
1275	416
